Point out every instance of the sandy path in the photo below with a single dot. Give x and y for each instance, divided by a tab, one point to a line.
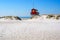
29	30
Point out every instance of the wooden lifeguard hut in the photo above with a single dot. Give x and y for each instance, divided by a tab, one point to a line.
34	12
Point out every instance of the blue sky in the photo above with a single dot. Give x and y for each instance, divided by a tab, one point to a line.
23	7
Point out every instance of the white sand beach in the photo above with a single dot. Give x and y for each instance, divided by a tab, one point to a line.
31	29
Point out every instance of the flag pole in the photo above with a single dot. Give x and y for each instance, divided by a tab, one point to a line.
33	3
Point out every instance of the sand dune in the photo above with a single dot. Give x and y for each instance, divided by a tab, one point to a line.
31	29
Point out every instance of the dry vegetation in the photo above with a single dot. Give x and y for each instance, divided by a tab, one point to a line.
53	16
11	17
